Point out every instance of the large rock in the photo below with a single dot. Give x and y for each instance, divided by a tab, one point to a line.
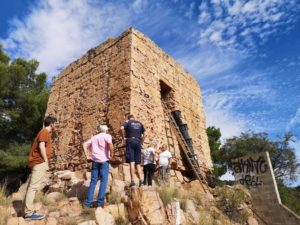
192	211
117	210
73	208
118	185
51	221
103	217
146	207
252	221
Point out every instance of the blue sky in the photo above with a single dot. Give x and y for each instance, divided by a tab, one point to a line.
245	54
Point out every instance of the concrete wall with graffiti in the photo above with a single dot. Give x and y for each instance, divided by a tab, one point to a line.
256	173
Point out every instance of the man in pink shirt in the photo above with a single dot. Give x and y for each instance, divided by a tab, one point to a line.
99	149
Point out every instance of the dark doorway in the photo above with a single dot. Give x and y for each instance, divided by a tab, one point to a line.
165	90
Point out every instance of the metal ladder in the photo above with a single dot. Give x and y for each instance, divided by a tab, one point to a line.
186	150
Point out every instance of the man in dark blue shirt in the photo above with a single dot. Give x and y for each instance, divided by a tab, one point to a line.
132	132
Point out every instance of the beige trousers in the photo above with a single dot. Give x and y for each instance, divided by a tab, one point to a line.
37	181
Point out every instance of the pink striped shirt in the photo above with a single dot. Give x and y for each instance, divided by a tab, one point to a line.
99	146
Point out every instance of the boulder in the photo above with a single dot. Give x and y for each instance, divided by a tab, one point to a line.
103	217
72	209
118	185
252	221
51	221
53	196
191	211
116	210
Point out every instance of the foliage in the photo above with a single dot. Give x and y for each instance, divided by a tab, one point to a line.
282	156
214	135
167	194
290	197
23	99
233	196
13	164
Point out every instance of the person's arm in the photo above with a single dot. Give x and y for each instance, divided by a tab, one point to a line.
143	138
169	160
122	133
111	150
86	151
42	147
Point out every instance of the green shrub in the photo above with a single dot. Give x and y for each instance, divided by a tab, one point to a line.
13	165
233	196
167	194
290	197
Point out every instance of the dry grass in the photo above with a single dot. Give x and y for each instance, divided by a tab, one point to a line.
167	194
71	221
61	196
233	197
4	200
120	220
88	214
40	197
114	197
3	217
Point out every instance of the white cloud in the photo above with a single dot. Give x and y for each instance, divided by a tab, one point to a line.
222	107
56	32
207	62
295	121
244	21
139	5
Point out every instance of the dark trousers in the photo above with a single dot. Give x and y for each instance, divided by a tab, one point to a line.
148	173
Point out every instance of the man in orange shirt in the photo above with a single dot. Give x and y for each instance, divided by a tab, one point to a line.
39	157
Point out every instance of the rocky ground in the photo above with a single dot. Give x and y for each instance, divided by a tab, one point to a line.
62	203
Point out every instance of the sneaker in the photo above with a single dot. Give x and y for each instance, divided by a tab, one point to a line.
105	204
34	216
141	183
132	184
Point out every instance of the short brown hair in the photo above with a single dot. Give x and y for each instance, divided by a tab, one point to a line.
49	120
130	117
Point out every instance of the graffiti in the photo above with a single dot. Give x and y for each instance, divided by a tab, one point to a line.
250	166
249	180
247	171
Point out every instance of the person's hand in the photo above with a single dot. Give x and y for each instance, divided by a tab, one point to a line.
47	165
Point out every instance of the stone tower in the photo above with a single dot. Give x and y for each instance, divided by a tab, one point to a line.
129	74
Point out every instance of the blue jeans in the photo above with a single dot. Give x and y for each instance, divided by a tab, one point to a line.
99	170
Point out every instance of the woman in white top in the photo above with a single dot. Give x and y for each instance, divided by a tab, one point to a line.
164	164
149	164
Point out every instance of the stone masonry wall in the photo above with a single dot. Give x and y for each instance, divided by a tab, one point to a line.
90	91
119	77
150	65
256	173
